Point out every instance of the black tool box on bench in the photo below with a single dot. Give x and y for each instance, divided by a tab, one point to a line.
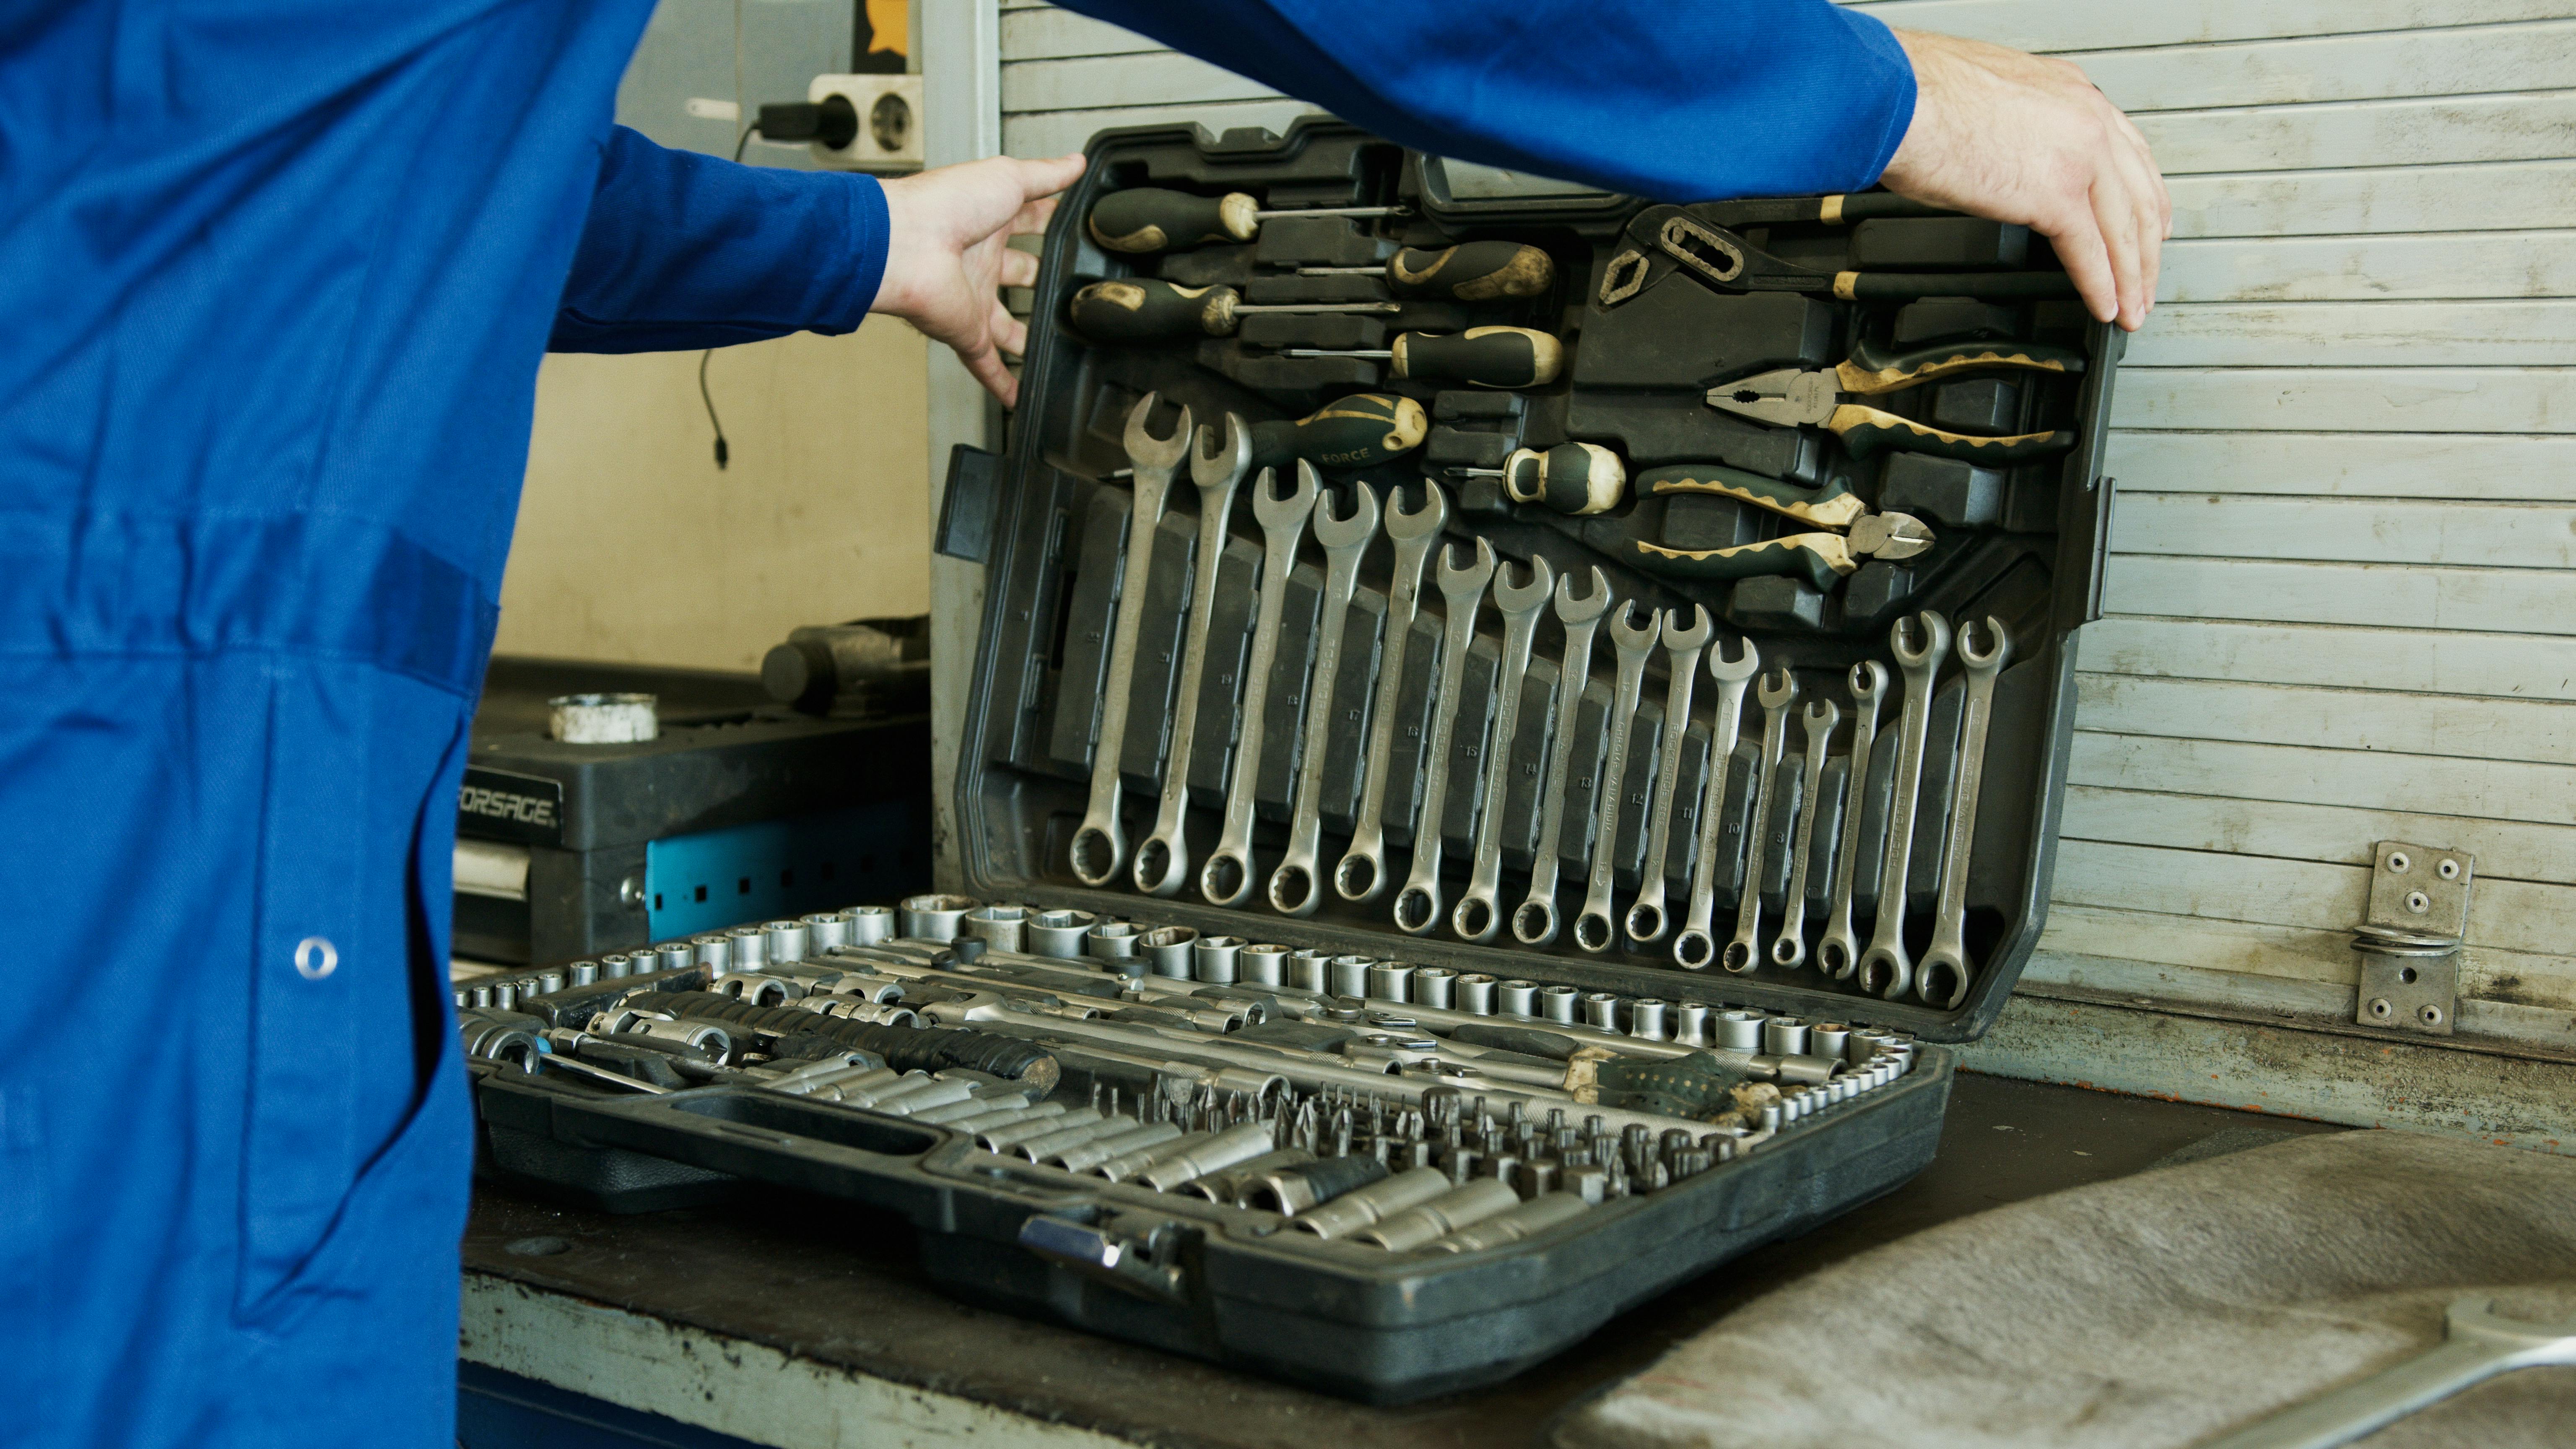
1807	542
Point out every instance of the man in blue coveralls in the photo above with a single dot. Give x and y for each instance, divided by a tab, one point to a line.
275	276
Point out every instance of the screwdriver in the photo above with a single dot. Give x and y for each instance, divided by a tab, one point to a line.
1503	357
1150	219
1142	309
1360	430
1575	478
1470	271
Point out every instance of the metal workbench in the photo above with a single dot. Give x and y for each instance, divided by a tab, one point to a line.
794	1321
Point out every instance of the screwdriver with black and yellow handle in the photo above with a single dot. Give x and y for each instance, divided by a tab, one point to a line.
1477	271
1358	431
1498	357
1151	219
1574	478
1144	309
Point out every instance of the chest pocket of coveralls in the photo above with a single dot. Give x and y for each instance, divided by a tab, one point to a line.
320	941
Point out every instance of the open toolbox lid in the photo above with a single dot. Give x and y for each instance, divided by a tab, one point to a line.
2023	544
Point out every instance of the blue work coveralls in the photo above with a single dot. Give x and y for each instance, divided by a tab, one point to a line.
275	276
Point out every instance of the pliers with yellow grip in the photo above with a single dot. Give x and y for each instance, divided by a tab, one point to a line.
1806	397
1821	557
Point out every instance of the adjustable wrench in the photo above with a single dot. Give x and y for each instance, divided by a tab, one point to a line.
1741	954
1789	948
1534	923
1362	872
1839	953
1478	913
1885	968
1462	591
1646	918
1593	929
1943	975
1295	888
1164	859
1100	845
2478	1343
1695	948
1227	876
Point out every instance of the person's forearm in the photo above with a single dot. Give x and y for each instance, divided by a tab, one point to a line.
683	251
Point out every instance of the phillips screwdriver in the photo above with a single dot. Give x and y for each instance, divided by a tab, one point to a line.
1151	219
1358	431
1470	271
1503	357
1575	478
1142	309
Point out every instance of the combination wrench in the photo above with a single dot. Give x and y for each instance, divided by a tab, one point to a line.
2478	1343
1695	947
1943	975
1885	968
1164	859
1478	913
1534	922
1741	954
1100	844
1462	592
1789	948
1362	872
1594	931
1838	954
1295	888
1647	920
1227	876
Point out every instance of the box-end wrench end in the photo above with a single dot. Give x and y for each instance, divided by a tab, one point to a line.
1789	947
1647	919
1594	929
1920	642
1479	913
1361	875
1838	954
1943	976
1695	947
1462	591
1534	921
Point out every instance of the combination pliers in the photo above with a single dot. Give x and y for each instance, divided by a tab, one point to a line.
1809	397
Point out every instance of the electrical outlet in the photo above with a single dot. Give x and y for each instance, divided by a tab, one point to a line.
889	107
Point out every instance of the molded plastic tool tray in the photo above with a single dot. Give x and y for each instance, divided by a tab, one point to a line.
1647	334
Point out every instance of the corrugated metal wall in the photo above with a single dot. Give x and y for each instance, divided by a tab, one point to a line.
2345	580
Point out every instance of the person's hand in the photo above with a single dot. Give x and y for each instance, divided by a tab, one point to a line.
947	255
2021	138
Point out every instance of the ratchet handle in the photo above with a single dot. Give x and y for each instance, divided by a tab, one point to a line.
1876	369
1822	559
1831	506
1866	430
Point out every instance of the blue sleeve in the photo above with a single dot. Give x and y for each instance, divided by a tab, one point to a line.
683	251
1700	100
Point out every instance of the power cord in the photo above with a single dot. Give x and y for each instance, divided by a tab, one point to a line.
724	453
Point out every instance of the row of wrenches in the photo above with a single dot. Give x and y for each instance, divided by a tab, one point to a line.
1160	865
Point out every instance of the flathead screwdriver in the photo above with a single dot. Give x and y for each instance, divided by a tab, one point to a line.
1503	357
1144	309
1151	219
1470	271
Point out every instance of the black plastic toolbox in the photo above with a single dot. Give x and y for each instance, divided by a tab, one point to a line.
2020	543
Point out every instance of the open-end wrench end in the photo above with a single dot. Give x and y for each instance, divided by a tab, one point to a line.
1147	451
1885	972
1941	979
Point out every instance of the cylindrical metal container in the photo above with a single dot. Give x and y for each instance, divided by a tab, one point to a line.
1350	975
1166	950
1390	981
940	918
1212	959
1059	933
1476	994
869	925
1784	1036
1001	928
1262	964
1435	986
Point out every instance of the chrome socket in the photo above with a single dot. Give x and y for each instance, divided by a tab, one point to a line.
1390	981
1079	1124
869	925
1262	964
1126	1165
1600	1010
713	951
1212	959
750	948
1646	1019
1111	941
825	930
785	941
940	918
1351	975
1529	1218
1240	1143
1517	998
1459	1207
1829	1039
1690	1023
1000	928
1376	1203
1739	1031
1435	986
1476	994
1118	1137
1058	933
1310	970
1166	950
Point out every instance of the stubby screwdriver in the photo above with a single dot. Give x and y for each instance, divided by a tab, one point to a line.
1500	357
1470	272
1357	431
1143	309
1575	478
1151	219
